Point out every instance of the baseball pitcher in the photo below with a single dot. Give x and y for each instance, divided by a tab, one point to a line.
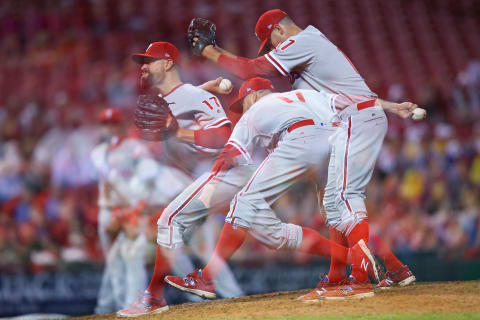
193	128
310	61
289	126
129	184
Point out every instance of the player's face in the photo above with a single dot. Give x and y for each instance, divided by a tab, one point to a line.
153	73
110	130
248	101
278	35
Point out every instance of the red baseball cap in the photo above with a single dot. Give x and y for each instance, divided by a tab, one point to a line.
158	50
111	115
264	26
250	85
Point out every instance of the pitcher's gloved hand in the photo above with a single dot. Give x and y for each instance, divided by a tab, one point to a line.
154	118
201	33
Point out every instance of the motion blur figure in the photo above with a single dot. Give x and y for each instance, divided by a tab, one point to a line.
130	187
203	130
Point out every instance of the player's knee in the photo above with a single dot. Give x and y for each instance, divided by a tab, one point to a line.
349	221
176	227
351	200
243	211
252	201
169	235
333	219
291	238
166	213
329	202
333	215
239	222
285	236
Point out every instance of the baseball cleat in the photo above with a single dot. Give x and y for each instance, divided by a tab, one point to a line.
402	277
145	304
351	290
323	286
193	283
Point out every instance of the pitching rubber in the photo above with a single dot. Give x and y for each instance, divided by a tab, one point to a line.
200	293
311	301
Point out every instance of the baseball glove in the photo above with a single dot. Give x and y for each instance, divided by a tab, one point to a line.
154	118
204	31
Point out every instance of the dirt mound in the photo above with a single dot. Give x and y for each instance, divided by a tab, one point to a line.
441	297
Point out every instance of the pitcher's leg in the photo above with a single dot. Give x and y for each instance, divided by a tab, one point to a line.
356	150
133	254
117	265
337	270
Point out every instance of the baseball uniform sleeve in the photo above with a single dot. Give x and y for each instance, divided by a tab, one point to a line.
210	113
213	138
241	141
247	68
294	52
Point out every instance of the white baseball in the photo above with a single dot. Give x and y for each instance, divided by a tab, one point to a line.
419	114
225	84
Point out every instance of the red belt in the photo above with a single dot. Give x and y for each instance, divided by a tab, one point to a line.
366	104
301	123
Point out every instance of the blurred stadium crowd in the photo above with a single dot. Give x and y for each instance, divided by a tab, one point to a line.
63	61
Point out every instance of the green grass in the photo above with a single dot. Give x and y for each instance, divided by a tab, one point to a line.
404	316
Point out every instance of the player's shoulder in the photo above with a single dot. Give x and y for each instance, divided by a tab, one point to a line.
264	106
242	122
194	90
311	30
308	36
187	87
193	93
302	40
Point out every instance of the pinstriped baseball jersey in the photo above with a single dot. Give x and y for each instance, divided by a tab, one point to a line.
194	109
311	61
128	173
116	163
282	124
269	118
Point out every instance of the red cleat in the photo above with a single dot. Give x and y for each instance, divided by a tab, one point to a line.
403	277
352	289
193	283
362	261
323	286
145	304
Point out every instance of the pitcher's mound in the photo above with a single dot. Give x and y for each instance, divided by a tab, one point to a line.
440	300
